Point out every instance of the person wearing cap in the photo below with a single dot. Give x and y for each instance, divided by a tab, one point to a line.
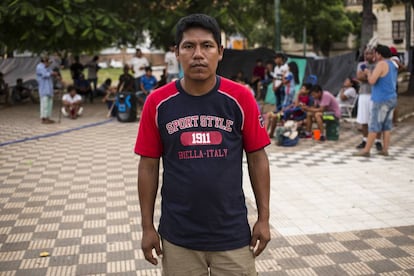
384	99
289	81
44	77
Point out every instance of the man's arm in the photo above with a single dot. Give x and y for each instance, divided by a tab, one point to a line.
258	166
380	70
148	175
313	109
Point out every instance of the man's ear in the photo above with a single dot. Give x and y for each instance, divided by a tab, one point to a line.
221	52
176	51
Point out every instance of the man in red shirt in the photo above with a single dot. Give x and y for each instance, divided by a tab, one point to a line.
200	125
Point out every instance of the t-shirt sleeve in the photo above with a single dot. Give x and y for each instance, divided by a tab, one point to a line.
255	136
325	100
148	142
350	93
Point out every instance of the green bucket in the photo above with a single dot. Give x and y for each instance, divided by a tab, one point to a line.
332	130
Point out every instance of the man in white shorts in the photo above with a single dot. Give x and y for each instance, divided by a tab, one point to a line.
72	103
364	100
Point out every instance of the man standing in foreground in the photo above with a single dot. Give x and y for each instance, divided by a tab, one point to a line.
44	75
200	126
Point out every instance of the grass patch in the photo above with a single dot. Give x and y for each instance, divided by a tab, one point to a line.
103	74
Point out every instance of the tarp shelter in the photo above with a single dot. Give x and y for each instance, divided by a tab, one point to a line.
331	72
20	67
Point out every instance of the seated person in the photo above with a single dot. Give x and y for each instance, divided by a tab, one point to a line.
4	89
163	78
148	83
289	87
295	112
84	87
348	93
102	90
324	104
126	81
72	103
21	92
110	100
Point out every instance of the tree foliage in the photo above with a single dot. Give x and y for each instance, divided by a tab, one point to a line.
73	25
325	21
89	25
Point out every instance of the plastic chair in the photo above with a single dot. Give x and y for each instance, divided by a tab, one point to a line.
346	111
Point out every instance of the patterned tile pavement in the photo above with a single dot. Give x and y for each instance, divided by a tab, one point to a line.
68	191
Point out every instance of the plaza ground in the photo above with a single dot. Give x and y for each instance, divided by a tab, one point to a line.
68	193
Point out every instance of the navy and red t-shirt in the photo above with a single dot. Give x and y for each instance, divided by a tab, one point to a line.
201	141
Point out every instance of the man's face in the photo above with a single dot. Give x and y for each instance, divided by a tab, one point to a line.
278	60
72	92
304	90
138	53
369	56
199	54
316	95
377	56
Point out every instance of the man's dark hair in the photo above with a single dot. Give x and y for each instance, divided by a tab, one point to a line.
316	88
198	20
294	69
307	85
383	50
71	88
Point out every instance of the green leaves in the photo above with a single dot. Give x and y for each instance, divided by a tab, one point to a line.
72	25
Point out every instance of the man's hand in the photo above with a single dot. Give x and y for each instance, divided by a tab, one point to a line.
151	240
260	237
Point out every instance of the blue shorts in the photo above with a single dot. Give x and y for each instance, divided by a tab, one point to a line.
381	115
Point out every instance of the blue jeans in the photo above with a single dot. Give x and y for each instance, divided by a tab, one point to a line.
381	115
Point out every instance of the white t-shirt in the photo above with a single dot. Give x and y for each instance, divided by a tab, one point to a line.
278	74
172	63
350	94
68	98
138	64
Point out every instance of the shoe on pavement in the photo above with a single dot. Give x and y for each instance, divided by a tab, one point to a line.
384	153
361	154
50	121
362	145
64	112
322	139
378	145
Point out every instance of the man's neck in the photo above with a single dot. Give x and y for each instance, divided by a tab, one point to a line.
198	88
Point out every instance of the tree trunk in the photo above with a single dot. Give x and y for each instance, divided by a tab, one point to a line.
367	29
